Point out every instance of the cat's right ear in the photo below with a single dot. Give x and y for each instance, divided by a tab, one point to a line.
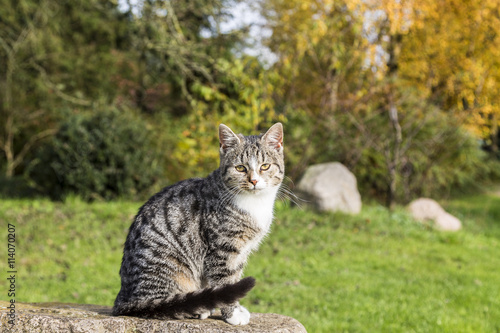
227	138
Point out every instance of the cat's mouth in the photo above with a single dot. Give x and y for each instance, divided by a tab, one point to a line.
254	189
251	189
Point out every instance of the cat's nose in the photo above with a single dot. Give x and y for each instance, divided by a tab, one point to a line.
253	181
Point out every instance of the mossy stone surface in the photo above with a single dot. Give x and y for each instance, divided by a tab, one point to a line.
68	317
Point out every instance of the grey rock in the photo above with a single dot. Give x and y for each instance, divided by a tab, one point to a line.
427	210
330	187
83	318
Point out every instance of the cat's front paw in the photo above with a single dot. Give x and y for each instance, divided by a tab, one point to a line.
205	315
240	316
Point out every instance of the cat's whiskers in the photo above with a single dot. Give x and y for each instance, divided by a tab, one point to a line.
285	193
230	195
290	180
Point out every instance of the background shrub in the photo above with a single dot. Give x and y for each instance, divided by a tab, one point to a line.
436	156
107	154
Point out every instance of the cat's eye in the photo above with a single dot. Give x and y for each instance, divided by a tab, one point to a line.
265	166
240	168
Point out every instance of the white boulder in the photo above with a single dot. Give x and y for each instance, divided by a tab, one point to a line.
330	187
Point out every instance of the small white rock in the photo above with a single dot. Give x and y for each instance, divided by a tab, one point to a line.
448	222
425	209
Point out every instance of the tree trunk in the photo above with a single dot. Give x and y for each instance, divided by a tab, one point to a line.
393	157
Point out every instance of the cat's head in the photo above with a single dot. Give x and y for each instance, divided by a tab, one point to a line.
254	163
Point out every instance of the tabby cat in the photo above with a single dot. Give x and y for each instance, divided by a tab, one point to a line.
188	245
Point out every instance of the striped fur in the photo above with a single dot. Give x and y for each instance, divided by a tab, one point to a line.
188	245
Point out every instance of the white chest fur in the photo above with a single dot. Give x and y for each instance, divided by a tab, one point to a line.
260	206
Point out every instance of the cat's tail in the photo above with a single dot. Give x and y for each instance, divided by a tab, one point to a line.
186	305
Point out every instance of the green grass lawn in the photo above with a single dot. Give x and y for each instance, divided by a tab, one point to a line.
375	272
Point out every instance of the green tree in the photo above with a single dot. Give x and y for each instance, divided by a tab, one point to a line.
172	55
57	56
21	112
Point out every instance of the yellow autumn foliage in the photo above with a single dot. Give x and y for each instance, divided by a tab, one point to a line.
449	49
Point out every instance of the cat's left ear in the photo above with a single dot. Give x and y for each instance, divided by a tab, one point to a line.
274	136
